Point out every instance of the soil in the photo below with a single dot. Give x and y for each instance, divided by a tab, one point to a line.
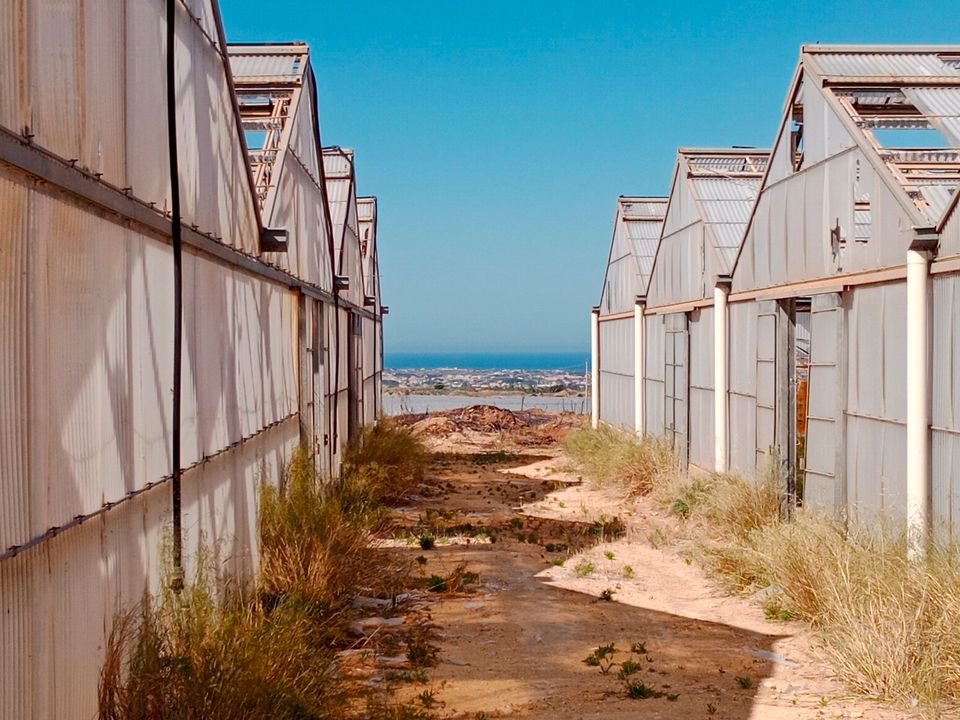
501	499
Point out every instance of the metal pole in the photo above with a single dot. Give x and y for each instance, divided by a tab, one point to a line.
177	242
595	368
918	403
639	349
720	355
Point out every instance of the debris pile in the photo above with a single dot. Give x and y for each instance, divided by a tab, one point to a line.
471	424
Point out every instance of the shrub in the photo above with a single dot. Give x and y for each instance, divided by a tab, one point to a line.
314	538
387	459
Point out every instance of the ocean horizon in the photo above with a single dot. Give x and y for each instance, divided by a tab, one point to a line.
572	361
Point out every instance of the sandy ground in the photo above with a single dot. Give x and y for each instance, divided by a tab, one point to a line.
514	643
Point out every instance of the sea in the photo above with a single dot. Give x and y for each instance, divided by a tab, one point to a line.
572	361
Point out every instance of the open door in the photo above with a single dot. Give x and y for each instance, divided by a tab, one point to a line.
824	483
776	394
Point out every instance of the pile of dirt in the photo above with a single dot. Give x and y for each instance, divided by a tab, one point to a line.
526	428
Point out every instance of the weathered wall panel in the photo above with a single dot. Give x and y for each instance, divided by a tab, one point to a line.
876	400
679	274
742	397
824	403
702	440
784	246
15	506
946	406
654	340
616	372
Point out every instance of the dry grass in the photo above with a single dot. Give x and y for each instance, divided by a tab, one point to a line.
386	459
890	627
211	652
607	454
195	656
315	536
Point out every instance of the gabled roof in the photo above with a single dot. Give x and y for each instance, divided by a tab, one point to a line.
640	220
874	88
724	183
341	191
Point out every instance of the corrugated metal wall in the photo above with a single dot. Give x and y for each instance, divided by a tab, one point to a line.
616	372
86	351
58	600
946	406
702	441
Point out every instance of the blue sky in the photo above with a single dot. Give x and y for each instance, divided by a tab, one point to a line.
497	135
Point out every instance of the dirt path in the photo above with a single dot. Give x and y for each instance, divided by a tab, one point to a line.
514	643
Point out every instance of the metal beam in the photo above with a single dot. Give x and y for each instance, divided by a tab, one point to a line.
62	176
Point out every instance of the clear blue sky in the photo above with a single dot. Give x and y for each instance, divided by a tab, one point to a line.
497	134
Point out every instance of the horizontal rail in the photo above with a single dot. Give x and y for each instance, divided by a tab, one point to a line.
77	520
48	168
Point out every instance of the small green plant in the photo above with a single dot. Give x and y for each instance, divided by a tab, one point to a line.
419	675
608	554
558	561
680	509
427	542
627	571
639	648
420	653
607	595
711	709
628	667
601	658
744	682
427	698
639	691
421	560
672	697
583	568
516	523
436	583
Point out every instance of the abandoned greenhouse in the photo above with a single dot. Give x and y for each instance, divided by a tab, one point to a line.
777	330
281	315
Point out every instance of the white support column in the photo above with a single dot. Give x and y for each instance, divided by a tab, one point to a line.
721	437
639	348
918	402
595	367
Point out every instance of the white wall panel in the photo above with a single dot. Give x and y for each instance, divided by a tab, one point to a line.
876	400
946	406
702	441
743	386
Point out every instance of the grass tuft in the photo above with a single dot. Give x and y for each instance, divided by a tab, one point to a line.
606	454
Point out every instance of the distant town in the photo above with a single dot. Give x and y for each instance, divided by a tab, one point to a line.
459	381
